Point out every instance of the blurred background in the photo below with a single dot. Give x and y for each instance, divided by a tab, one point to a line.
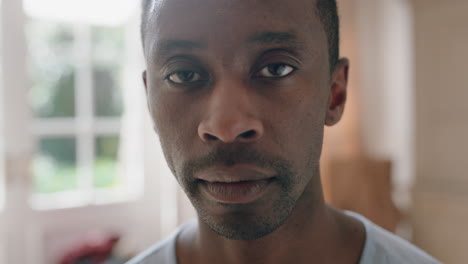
82	176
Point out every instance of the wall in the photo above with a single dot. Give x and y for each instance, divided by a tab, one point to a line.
440	212
376	36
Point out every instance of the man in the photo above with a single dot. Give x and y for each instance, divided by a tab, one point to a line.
239	92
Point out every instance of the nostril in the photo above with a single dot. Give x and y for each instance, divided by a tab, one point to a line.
248	135
210	137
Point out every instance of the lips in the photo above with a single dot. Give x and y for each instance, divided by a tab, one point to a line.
237	173
236	192
237	185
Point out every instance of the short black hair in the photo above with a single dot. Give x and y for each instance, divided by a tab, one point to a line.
328	14
326	9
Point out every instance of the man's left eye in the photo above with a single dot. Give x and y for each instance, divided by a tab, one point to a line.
276	70
183	77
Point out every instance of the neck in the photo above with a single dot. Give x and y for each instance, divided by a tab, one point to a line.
313	232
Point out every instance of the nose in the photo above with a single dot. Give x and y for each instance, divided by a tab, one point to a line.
232	116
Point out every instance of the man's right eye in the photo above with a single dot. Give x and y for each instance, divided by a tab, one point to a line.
182	77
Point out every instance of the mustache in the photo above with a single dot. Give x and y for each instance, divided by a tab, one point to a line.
230	156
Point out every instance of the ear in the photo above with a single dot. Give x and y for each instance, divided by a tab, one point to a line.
143	75
339	84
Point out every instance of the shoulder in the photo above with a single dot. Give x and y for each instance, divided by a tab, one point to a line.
384	247
164	252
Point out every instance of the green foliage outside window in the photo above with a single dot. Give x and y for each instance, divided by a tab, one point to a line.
106	174
55	166
51	53
53	59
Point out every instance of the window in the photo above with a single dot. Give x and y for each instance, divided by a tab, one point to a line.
78	72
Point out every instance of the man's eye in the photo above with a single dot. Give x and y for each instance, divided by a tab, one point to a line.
276	70
181	77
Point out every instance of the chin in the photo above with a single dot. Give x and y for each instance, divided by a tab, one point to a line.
241	224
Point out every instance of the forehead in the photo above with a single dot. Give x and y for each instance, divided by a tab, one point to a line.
229	22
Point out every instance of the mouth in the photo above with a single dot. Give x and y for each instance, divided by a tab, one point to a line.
240	192
237	185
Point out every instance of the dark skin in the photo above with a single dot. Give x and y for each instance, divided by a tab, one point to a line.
247	75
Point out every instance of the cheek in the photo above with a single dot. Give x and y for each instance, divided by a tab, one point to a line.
298	121
298	130
308	135
175	122
163	108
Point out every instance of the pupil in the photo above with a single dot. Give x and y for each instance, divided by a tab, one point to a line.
185	75
276	69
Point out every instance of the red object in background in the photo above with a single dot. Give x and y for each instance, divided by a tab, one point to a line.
94	250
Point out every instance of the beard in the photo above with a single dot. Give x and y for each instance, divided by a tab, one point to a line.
241	225
242	221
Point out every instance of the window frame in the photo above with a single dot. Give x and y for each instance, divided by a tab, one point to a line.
85	127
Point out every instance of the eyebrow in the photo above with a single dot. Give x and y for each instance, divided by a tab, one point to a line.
270	37
170	45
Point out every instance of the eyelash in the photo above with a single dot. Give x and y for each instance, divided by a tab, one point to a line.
266	67
257	74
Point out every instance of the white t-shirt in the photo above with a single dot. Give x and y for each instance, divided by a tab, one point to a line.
381	247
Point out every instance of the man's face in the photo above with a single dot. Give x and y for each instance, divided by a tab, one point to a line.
239	94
